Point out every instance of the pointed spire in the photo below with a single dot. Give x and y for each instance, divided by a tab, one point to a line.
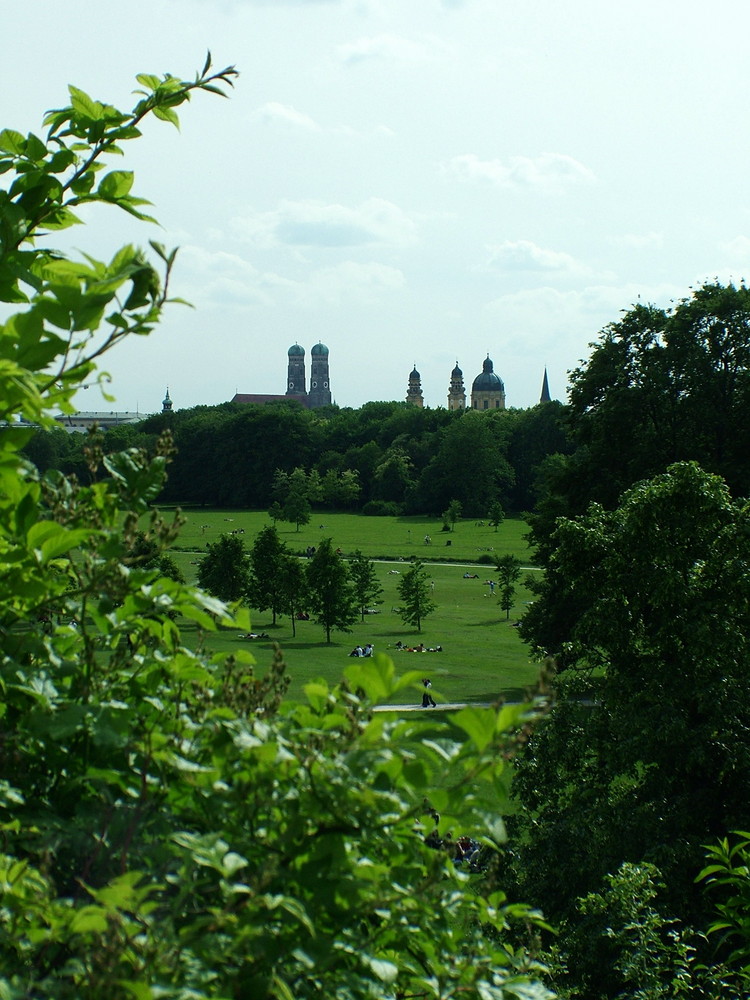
545	397
166	403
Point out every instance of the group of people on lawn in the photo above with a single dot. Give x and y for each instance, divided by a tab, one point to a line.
366	650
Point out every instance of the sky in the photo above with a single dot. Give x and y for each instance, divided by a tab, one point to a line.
410	182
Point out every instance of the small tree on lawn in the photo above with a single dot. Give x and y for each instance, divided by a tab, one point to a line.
508	571
414	591
264	590
292	587
276	512
496	515
224	569
367	589
296	505
329	590
453	513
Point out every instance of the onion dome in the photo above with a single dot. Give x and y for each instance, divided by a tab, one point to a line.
295	351
488	381
319	349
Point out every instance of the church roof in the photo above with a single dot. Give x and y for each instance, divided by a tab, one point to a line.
414	374
319	349
295	351
263	397
488	381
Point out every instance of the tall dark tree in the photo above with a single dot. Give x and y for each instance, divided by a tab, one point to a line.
365	583
414	591
329	591
224	569
264	585
646	756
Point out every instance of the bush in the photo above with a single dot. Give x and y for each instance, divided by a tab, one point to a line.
383	508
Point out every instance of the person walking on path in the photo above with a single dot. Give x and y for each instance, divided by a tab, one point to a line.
427	700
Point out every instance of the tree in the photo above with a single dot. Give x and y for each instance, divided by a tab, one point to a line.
468	463
635	752
329	591
292	587
296	504
496	514
367	589
225	568
453	513
265	590
414	591
167	831
147	553
508	571
276	511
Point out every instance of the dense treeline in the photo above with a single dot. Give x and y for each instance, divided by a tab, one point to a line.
643	614
405	459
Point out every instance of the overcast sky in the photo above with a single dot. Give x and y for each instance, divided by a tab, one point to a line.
407	181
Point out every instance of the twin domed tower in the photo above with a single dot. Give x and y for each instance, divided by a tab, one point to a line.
320	377
487	389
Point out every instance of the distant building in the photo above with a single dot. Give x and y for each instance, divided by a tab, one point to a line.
166	403
320	380
487	389
545	396
414	390
84	421
456	390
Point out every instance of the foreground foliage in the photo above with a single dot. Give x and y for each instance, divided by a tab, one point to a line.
646	757
170	827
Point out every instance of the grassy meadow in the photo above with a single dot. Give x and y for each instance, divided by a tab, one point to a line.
483	656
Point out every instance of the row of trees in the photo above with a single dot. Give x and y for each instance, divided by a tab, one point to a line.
381	458
332	590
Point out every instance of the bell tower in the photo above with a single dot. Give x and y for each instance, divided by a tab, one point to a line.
320	377
295	379
456	390
414	392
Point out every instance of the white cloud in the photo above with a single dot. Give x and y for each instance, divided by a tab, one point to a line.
551	171
317	224
229	281
523	255
350	281
640	241
275	112
388	47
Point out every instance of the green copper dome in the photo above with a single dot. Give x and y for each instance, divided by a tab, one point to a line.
319	349
295	351
488	381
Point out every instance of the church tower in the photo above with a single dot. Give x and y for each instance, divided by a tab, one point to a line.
487	390
320	377
545	397
166	403
295	380
414	392
456	390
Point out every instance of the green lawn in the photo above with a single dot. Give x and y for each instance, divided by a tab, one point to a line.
483	657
